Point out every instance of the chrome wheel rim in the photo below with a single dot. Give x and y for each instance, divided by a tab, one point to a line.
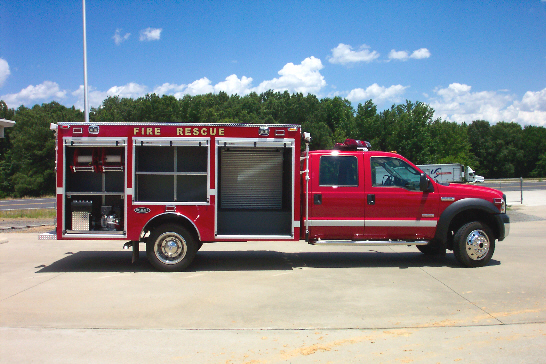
477	245
170	248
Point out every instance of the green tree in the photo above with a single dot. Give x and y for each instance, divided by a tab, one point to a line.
32	151
338	115
481	142
6	169
367	124
405	128
450	143
534	151
507	150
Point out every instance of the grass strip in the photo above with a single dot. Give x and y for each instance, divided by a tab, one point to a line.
28	214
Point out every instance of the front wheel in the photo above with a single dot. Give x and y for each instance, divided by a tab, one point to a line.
171	248
474	244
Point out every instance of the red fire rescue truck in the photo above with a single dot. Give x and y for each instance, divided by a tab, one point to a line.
174	187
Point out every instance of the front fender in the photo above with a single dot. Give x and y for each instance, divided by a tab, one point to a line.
474	205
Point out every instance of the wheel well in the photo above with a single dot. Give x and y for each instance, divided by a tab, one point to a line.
467	216
176	219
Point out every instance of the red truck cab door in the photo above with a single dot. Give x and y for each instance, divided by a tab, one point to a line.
336	198
395	206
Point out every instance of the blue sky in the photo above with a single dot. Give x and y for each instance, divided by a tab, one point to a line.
468	59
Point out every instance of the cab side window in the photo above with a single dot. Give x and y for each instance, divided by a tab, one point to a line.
338	171
394	172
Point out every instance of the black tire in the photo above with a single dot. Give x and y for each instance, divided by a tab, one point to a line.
431	248
474	244
171	248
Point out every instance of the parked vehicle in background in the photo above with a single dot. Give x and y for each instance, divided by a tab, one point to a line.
451	173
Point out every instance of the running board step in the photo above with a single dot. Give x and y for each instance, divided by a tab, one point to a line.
367	243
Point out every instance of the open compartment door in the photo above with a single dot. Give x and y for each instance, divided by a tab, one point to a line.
255	189
94	187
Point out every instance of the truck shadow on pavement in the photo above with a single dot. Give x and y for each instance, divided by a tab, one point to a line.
257	260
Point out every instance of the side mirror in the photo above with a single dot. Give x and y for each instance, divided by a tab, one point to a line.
424	184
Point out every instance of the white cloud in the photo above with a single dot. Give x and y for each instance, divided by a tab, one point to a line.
130	90
344	54
398	55
421	53
531	109
43	92
534	100
167	88
378	94
198	87
458	103
95	97
4	71
118	38
304	78
150	34
233	85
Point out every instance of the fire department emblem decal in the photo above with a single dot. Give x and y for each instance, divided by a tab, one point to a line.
142	210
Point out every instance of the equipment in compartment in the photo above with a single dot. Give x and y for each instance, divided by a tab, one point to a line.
81	215
109	219
96	214
85	160
97	159
94	182
111	160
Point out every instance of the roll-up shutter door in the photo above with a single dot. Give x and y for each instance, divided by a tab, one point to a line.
251	178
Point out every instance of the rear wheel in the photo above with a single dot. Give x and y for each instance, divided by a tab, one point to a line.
171	248
474	244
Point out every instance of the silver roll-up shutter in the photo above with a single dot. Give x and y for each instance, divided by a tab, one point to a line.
251	178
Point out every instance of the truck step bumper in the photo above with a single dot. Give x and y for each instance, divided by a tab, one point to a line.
367	243
51	235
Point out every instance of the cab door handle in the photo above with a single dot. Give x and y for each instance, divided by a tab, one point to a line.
371	199
317	199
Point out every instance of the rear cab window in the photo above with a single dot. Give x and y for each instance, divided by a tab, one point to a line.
338	171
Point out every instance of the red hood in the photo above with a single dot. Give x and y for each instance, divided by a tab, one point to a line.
460	191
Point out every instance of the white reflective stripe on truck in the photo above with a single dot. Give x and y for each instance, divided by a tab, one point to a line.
375	223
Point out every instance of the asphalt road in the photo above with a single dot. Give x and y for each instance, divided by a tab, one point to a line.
273	302
27	203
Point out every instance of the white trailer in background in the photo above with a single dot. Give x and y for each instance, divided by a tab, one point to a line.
448	173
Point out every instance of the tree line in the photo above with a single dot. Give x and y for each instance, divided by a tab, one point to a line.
501	150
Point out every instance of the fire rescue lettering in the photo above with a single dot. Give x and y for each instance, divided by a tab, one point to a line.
210	131
200	131
146	131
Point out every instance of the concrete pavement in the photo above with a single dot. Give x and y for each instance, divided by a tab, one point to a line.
274	303
530	198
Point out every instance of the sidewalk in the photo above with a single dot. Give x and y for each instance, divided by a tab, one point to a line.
530	198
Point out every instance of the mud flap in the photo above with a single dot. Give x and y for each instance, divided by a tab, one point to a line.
135	251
